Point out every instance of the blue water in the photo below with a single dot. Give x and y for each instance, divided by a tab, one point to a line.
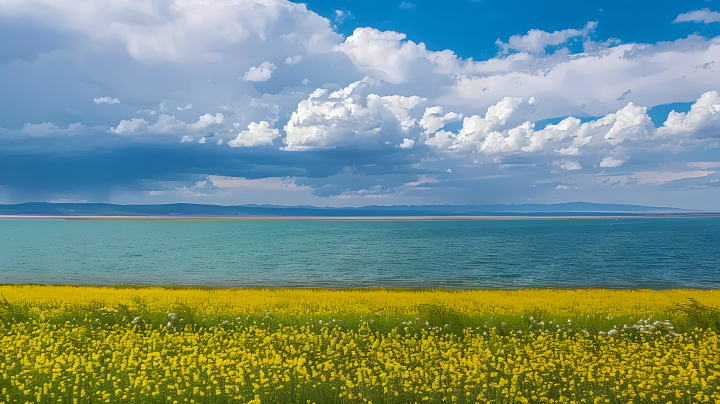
624	253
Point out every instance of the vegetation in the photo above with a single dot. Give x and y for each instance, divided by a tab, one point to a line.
63	344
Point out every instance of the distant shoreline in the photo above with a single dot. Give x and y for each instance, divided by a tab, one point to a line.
388	289
353	218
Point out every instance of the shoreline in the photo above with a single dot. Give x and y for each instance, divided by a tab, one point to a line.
355	289
356	218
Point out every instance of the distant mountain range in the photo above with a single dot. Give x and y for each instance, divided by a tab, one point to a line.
187	209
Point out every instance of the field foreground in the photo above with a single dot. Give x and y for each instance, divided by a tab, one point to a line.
174	345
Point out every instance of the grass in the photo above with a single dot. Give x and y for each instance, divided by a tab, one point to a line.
685	315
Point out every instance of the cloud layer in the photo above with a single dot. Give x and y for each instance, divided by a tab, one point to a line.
245	86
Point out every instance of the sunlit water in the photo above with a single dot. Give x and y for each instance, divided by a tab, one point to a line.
624	253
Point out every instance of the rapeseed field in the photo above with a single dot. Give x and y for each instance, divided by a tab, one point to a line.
183	345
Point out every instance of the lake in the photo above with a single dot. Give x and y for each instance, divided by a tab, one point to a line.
653	253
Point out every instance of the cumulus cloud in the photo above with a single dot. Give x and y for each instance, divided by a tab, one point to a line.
259	73
569	165
167	124
407	5
591	82
611	162
207	120
49	129
535	41
45	128
703	119
106	100
399	106
481	133
184	31
704	15
407	143
129	126
257	134
329	120
630	121
386	56
291	60
433	119
496	133
460	117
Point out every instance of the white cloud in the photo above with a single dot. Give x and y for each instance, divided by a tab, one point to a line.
387	56
433	119
442	140
496	133
107	100
128	127
189	106
703	119
207	120
631	121
611	162
407	143
185	31
590	83
259	73
703	164
255	135
186	139
535	41
343	15
232	190
508	141
397	105
555	133
481	134
655	177
407	5
43	129
569	165
167	124
704	15
587	83
602	179
324	121
50	129
480	112
291	60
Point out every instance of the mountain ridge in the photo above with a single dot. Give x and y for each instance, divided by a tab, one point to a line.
189	209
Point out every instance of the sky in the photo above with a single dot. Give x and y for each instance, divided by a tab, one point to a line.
348	103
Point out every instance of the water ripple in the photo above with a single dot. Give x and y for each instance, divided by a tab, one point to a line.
627	253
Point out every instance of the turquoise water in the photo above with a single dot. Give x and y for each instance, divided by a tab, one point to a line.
624	253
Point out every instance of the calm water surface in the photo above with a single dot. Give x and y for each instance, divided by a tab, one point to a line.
624	253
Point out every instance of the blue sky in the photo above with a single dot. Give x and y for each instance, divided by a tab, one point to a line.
343	103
